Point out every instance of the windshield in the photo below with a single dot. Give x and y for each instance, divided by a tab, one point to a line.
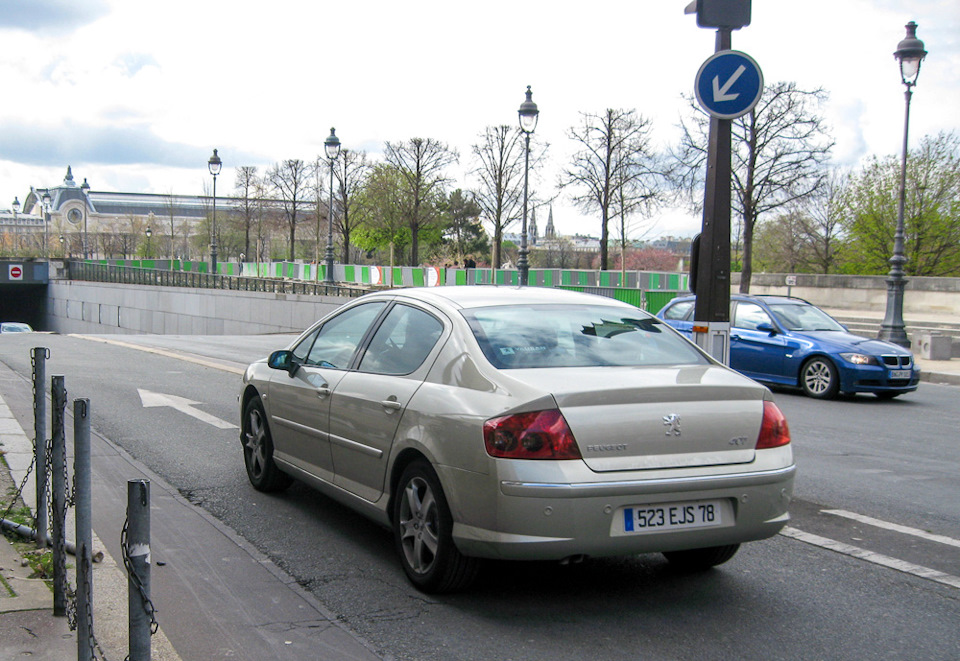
801	317
523	336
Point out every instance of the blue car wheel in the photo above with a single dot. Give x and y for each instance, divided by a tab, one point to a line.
819	378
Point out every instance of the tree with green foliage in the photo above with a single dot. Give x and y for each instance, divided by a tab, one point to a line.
463	231
421	164
931	214
381	203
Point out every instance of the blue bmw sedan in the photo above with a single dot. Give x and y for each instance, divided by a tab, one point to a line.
787	341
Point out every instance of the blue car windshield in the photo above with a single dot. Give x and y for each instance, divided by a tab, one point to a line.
804	318
523	336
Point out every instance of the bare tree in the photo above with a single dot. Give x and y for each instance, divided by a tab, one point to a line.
499	160
248	202
615	170
778	154
822	222
170	207
781	244
290	181
351	174
421	164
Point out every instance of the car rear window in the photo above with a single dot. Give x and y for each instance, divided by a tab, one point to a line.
524	336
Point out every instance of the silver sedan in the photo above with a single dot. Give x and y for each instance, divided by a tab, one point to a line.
490	422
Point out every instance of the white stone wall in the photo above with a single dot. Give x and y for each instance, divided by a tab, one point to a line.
104	308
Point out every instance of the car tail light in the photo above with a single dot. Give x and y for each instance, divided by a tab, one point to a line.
536	435
774	431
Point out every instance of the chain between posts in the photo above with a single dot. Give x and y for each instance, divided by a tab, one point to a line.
148	606
69	499
19	492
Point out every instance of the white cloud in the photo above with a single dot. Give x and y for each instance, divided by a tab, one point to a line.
132	94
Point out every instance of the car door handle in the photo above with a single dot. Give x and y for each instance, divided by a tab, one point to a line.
323	391
734	337
391	404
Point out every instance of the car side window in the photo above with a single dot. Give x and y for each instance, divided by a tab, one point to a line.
750	315
302	350
678	311
402	342
337	340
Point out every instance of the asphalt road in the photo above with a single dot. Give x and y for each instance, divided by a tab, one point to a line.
788	597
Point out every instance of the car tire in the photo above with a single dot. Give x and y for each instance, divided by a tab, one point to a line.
422	530
819	378
258	450
701	559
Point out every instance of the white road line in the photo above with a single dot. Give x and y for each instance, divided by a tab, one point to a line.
870	556
896	527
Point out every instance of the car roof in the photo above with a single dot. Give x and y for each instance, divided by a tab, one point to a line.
759	298
476	296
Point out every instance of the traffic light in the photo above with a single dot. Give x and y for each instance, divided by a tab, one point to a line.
732	14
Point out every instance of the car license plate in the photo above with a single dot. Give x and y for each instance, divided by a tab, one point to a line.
900	374
672	516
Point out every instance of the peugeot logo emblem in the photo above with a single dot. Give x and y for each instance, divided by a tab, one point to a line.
672	423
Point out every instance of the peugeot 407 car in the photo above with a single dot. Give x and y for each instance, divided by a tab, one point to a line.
521	424
786	341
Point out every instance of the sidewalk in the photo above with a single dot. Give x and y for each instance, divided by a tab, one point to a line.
216	596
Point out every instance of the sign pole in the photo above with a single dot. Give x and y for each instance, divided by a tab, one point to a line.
711	326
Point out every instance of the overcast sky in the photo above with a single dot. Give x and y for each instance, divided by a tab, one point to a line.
136	95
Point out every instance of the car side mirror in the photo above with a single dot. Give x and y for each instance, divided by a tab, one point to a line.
767	327
283	360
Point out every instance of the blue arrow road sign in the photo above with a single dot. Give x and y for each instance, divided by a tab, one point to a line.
729	84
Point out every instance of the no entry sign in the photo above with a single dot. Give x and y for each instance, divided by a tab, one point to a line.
15	272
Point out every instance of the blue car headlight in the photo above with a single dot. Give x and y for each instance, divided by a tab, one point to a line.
860	359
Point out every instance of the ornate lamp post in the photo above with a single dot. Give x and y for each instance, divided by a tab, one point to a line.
214	165
85	189
910	54
149	233
332	148
528	114
47	204
16	225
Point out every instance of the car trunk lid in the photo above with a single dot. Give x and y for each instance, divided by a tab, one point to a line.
627	418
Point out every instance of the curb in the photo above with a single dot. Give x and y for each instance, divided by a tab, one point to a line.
941	378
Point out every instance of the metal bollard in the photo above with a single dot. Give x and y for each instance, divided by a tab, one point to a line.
39	357
137	553
84	511
58	483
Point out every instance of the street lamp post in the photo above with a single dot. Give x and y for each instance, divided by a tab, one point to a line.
16	225
910	54
528	114
85	189
149	233
47	204
332	148
214	165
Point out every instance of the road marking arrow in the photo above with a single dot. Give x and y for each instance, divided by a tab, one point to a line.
182	404
720	93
